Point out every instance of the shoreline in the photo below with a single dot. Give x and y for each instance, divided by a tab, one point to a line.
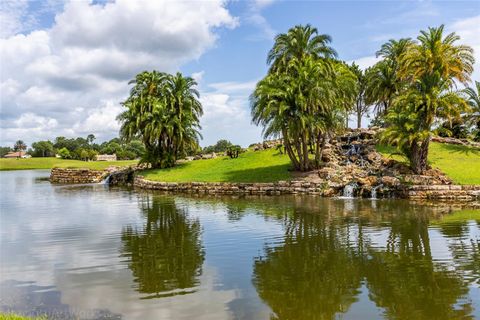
413	192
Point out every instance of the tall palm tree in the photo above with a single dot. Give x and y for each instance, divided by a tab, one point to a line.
382	86
19	146
299	42
473	99
361	106
430	69
163	110
383	82
394	49
303	106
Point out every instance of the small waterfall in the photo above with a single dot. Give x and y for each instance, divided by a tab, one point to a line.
106	180
349	191
374	192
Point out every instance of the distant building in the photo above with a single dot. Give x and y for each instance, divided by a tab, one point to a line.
19	154
106	157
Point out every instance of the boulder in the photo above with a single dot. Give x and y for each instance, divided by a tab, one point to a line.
367	181
390	181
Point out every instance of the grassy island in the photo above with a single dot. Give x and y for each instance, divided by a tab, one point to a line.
460	163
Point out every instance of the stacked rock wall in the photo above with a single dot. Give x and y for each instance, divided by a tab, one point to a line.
74	176
274	188
415	192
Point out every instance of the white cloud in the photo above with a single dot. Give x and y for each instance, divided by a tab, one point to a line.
32	121
100	120
255	17
11	13
469	30
232	87
227	113
24	15
365	62
86	58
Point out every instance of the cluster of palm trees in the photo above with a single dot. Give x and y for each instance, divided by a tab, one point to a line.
305	96
308	94
163	111
425	76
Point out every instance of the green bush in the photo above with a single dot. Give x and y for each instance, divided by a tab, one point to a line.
234	151
64	153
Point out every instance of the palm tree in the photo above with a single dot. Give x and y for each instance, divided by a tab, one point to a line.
383	83
306	95
298	43
90	138
361	106
473	99
394	49
381	86
303	106
163	110
19	146
429	69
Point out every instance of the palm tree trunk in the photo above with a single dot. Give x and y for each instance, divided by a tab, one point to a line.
306	164
419	156
321	141
288	149
298	148
324	142
359	119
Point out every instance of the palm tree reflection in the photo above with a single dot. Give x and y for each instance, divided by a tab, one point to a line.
327	254
166	255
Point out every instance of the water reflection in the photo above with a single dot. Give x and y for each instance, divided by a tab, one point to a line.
318	270
166	253
93	252
313	275
44	301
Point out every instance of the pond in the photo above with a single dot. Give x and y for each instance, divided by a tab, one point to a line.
99	252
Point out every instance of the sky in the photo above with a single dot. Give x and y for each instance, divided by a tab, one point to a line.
65	65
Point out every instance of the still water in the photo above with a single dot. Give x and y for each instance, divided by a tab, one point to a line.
94	252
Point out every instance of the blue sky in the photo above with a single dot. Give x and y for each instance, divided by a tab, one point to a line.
358	28
65	65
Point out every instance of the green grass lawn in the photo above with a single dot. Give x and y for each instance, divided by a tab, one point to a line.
460	163
48	163
258	166
12	316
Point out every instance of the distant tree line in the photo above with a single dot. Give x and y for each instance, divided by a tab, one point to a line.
80	148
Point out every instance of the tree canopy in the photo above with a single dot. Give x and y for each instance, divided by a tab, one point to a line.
164	112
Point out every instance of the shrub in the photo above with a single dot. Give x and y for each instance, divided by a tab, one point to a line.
64	153
456	129
234	151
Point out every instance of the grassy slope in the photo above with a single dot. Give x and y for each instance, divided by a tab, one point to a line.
48	163
259	166
460	163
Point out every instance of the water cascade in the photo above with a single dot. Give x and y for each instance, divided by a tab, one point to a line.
374	192
106	180
349	191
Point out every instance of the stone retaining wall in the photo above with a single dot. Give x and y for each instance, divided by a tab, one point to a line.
124	176
74	176
274	188
417	192
440	192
